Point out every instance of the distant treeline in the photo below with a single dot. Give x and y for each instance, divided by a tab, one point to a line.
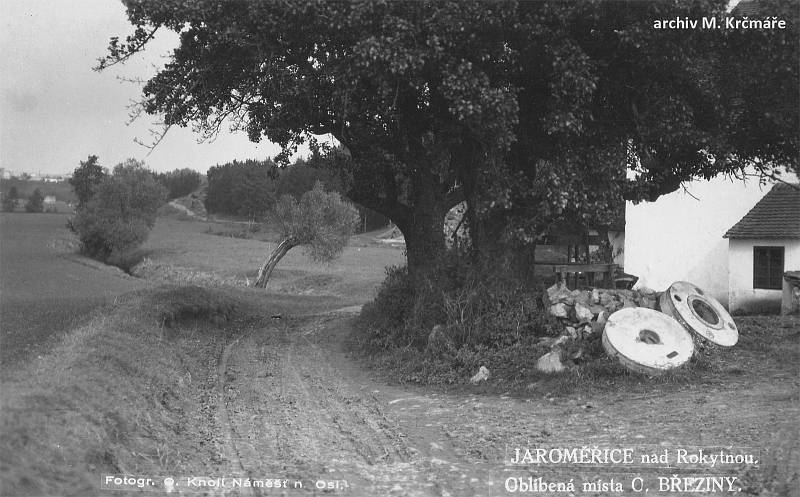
249	189
180	182
25	187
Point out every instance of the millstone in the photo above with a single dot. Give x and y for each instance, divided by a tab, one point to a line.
646	341
701	314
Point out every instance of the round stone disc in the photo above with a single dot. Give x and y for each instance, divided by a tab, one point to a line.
647	341
699	313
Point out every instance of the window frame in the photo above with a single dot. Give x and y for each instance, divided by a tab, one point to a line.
763	273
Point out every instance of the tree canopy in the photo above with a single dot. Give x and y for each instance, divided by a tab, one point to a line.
86	177
530	111
120	213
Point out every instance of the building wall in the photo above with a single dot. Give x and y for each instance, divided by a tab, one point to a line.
679	237
743	297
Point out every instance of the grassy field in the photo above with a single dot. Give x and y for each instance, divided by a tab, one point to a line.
45	289
77	412
200	252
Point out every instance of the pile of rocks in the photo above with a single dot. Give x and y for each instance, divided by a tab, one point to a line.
583	314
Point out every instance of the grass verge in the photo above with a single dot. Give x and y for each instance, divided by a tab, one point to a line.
123	394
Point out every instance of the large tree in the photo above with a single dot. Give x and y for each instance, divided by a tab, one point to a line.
531	111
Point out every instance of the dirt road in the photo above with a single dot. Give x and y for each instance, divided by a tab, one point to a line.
298	409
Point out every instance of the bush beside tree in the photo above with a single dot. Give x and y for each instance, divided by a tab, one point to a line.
120	213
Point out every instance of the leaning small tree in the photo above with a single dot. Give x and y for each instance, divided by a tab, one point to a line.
321	221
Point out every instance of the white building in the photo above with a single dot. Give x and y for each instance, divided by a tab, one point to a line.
681	237
764	245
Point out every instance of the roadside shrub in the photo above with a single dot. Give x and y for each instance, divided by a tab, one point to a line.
382	321
442	329
120	214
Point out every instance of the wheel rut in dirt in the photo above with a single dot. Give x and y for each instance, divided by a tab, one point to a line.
292	412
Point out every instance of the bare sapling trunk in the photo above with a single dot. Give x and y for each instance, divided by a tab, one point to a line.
265	271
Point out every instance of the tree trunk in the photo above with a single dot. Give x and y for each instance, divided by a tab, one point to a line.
265	271
423	230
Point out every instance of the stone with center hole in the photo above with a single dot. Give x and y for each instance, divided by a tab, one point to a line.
649	337
705	312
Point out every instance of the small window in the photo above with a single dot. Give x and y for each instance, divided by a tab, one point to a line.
768	268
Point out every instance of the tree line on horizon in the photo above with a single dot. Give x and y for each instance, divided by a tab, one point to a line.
251	188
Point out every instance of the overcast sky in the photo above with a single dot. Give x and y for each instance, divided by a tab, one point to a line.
55	110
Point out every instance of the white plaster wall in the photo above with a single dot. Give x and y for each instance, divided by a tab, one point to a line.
679	236
743	297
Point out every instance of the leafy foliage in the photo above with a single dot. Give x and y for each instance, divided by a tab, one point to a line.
250	188
529	111
241	188
301	176
85	179
180	182
35	202
321	221
119	215
460	319
10	199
